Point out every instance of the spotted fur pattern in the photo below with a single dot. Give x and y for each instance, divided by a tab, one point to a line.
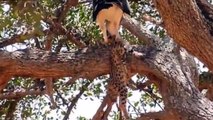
117	85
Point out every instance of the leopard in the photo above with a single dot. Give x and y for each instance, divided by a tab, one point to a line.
119	78
118	82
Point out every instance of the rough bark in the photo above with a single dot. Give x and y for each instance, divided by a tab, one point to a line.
185	23
87	63
179	91
162	115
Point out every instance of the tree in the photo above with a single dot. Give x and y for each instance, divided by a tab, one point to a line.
163	54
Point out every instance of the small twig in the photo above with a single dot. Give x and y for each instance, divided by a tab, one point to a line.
16	95
72	80
87	1
143	106
37	43
152	20
56	26
60	96
60	45
73	103
11	109
135	109
132	85
152	96
141	86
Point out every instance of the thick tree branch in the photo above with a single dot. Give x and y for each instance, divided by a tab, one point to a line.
185	73
177	77
87	63
162	115
137	29
185	23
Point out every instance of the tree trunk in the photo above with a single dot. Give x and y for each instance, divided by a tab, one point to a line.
178	74
185	23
